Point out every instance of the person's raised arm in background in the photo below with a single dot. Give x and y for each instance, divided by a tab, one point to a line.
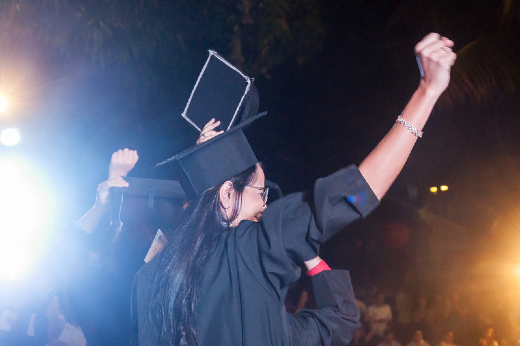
121	163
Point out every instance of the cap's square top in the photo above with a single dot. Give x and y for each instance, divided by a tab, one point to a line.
218	93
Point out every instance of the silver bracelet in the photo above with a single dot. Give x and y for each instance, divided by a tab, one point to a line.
409	126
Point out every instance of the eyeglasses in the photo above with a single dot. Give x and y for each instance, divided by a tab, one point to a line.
264	194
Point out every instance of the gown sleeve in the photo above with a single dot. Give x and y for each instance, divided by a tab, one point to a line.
337	317
306	220
340	199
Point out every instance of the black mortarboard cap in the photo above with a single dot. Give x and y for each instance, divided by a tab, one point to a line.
149	201
210	163
152	187
221	92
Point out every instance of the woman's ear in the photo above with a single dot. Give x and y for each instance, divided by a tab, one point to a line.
227	195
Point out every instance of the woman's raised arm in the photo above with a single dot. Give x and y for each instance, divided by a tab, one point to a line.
383	164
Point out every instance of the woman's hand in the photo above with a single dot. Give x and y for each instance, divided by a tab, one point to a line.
209	131
122	162
437	58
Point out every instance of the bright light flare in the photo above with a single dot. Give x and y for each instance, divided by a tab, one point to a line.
444	187
511	273
3	104
433	189
516	271
23	214
10	137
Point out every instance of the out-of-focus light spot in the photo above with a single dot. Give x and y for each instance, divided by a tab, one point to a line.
444	187
517	271
8	170
23	216
10	137
3	104
433	189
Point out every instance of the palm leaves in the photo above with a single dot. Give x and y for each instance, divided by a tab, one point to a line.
169	32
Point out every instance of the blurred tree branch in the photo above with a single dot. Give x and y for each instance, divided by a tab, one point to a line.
255	35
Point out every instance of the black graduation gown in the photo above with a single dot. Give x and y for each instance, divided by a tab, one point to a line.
247	276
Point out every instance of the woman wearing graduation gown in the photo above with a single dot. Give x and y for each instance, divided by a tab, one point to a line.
223	278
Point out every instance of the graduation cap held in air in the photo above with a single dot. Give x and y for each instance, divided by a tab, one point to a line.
221	92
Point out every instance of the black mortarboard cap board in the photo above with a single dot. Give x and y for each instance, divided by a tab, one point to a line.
220	92
155	202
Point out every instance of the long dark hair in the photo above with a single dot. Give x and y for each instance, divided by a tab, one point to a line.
177	270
